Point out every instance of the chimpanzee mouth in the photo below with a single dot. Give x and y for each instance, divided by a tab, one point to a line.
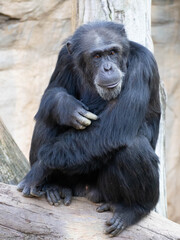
109	92
113	85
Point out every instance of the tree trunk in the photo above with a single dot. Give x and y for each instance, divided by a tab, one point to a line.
13	164
136	16
31	218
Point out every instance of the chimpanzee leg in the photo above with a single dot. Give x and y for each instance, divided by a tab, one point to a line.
38	172
130	185
38	181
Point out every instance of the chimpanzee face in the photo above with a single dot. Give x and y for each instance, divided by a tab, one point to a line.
108	76
102	61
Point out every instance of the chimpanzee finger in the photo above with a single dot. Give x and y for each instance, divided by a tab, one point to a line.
52	198
35	192
77	125
57	195
26	192
21	186
112	227
83	121
88	114
66	193
112	220
103	208
68	200
48	197
120	227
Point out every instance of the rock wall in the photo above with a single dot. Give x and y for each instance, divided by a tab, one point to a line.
166	37
31	33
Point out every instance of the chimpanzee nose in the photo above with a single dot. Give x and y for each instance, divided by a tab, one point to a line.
107	67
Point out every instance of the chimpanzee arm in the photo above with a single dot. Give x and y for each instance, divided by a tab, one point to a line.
119	123
59	103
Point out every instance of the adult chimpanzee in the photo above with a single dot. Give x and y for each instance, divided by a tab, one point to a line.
109	158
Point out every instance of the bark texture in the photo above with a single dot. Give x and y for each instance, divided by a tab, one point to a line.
166	37
13	164
28	218
135	15
31	34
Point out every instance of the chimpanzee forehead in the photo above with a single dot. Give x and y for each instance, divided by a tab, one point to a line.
97	39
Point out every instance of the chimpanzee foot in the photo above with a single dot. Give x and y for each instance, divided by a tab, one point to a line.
116	224
55	194
104	207
93	194
29	190
119	221
66	194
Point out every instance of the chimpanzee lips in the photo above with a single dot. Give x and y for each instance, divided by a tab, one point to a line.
112	85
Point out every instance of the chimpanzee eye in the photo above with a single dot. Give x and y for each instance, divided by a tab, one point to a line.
97	56
112	52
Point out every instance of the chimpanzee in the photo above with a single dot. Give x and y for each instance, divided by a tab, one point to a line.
97	126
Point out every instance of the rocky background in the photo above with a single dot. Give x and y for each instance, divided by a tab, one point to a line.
31	34
166	38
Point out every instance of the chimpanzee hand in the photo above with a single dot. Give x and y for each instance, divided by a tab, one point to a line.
73	112
56	194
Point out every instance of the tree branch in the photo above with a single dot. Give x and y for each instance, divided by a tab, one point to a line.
32	218
13	164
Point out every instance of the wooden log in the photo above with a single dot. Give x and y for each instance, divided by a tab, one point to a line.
13	164
32	218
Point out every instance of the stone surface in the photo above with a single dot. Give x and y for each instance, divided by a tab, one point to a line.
166	37
31	33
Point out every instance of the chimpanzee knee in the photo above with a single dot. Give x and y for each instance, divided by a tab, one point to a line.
132	177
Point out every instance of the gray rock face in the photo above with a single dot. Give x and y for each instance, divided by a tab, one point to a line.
166	37
31	36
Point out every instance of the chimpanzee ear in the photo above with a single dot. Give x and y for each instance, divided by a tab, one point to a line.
123	31
69	47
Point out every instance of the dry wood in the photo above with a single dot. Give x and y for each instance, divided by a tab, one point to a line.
13	164
30	218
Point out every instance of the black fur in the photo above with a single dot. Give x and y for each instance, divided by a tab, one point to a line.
113	159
